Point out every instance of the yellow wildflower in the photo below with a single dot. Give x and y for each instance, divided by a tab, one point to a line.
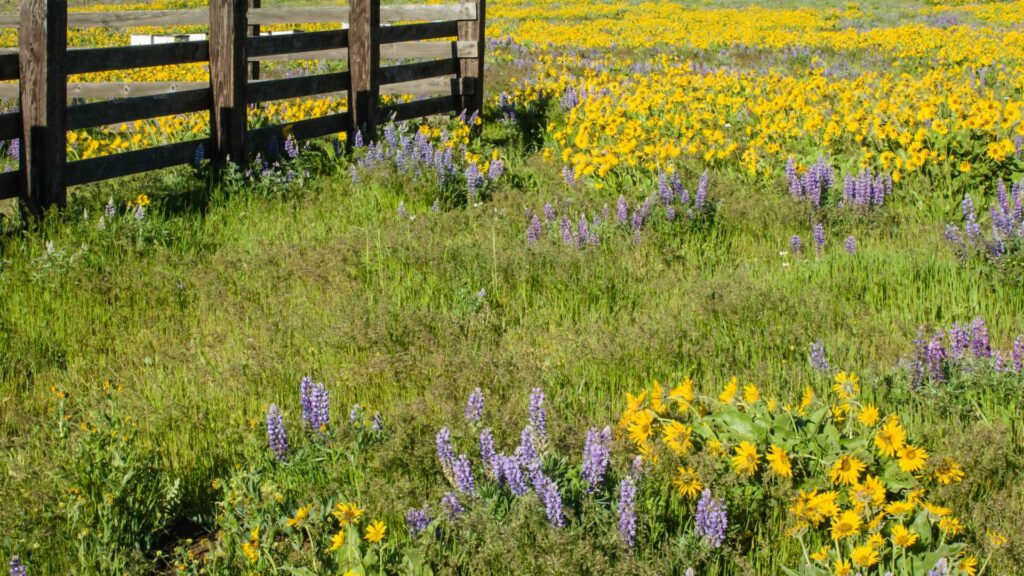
779	461
746	459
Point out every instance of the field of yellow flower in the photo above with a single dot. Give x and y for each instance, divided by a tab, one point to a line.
709	287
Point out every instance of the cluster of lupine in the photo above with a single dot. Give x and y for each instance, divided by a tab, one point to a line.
441	153
316	416
316	406
962	346
817	186
1006	237
862	503
516	472
675	202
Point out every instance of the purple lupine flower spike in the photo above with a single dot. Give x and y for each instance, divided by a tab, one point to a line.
596	455
463	473
538	414
1017	355
487	453
979	339
320	417
417	520
851	245
935	356
475	406
795	246
959	341
711	519
817	357
627	510
445	452
622	210
700	197
819	238
276	437
566	231
450	502
534	230
552	498
512	475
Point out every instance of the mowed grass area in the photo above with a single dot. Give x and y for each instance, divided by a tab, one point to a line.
232	295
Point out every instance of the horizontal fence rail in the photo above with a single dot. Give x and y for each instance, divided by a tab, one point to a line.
436	53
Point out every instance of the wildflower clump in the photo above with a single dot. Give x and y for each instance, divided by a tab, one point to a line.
860	489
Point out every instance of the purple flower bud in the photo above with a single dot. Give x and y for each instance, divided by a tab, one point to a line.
795	246
851	245
276	437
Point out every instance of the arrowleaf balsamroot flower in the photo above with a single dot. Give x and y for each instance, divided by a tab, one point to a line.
846	470
779	462
902	536
845	525
891	438
687	483
746	458
912	458
347	513
375	532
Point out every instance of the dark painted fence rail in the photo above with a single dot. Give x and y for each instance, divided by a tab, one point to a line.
450	72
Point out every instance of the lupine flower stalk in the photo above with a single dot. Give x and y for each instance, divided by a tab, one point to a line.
627	510
276	437
711	519
596	455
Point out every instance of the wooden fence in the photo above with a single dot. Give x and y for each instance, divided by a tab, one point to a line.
449	72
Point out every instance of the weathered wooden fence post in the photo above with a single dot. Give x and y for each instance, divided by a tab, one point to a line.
254	30
364	66
42	43
228	70
473	68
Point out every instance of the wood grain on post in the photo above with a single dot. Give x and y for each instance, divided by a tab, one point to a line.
473	30
228	71
364	66
42	42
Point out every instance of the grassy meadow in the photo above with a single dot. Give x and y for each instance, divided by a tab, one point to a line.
152	332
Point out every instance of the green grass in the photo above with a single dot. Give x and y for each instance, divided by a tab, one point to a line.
243	299
238	296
